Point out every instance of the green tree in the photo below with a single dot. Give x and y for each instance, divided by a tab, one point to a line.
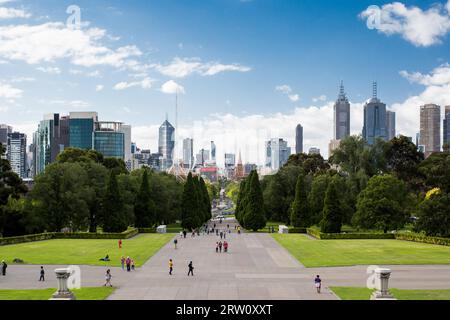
144	207
434	216
436	169
116	165
254	218
190	205
114	218
206	201
97	176
316	197
240	203
332	210
382	204
310	163
300	214
79	155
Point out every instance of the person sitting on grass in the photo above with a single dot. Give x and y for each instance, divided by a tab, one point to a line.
105	258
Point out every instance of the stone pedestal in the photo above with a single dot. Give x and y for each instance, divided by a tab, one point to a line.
63	292
382	285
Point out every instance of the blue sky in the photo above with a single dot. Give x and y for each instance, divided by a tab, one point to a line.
244	69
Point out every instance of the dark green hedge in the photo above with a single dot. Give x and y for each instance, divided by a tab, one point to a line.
422	238
297	230
348	236
75	235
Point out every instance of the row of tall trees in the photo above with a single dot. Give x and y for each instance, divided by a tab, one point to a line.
83	191
370	187
196	203
250	203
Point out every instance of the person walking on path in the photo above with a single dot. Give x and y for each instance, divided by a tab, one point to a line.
120	244
132	265
318	283
181	234
170	267
191	269
217	247
184	234
221	235
175	242
122	262
42	274
108	278
220	246
225	246
128	263
4	266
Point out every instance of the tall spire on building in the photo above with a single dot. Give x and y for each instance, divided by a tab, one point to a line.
375	90
341	90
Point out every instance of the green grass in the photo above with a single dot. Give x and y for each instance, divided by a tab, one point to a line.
44	294
85	252
352	293
333	253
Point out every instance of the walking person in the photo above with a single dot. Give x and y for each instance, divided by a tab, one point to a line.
184	234
170	267
217	247
225	246
191	269
122	263
132	265
221	235
4	266
42	274
108	278
175	242
220	246
120	244
128	263
318	283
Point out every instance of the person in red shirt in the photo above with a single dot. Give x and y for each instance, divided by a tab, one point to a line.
120	244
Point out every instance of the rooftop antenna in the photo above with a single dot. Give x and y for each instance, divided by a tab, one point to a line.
342	90
375	90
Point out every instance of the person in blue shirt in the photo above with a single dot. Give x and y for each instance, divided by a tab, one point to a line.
318	283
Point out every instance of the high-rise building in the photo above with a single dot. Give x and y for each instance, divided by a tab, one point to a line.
277	153
166	146
333	145
430	128
82	126
202	157
17	153
109	139
230	160
213	151
4	131
374	119
128	156
188	153
390	125
447	129
341	115
51	138
299	139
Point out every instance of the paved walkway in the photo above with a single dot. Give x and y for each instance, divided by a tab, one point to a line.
256	268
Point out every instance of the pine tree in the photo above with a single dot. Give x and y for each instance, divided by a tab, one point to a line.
332	211
240	201
254	217
189	208
206	201
299	211
114	217
144	207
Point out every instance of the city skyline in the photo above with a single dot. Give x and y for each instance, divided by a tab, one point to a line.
223	94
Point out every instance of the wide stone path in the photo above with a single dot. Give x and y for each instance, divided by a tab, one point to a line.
255	268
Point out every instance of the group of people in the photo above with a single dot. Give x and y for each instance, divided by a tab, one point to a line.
190	268
128	262
220	245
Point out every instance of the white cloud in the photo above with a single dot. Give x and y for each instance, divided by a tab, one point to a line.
99	88
422	28
50	70
9	92
287	90
321	98
146	83
11	13
171	87
180	68
438	77
51	41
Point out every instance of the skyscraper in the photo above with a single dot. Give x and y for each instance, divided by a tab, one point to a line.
4	131
230	160
390	125
202	157
447	129
166	146
277	153
430	128
82	126
188	153
109	139
374	118
213	151
17	153
299	139
341	115
126	129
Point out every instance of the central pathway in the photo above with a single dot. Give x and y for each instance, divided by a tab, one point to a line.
255	268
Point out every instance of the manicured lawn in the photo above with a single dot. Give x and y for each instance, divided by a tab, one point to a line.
82	294
333	253
85	252
351	293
